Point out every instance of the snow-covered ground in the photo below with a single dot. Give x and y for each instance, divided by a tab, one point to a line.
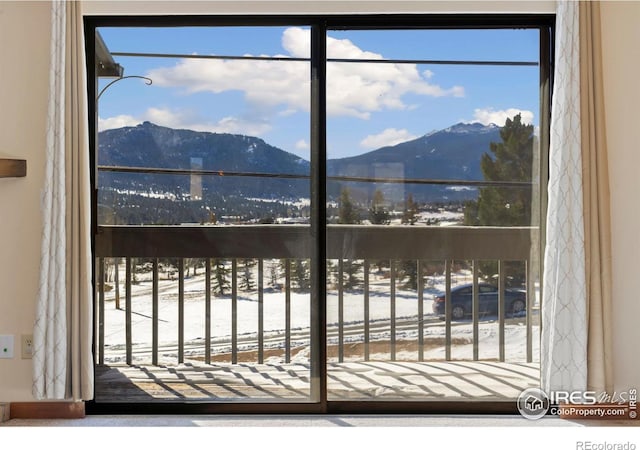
406	308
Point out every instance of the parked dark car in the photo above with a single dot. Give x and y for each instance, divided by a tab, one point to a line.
461	301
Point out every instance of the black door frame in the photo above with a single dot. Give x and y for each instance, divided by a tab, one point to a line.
545	23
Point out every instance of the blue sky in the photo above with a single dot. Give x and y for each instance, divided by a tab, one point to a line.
368	105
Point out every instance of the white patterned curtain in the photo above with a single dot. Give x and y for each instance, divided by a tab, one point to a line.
62	357
564	306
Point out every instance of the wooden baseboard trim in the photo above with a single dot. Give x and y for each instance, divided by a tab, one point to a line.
47	410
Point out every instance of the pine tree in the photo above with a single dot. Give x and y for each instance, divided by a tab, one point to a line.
300	274
220	276
274	275
332	272
246	280
408	272
512	160
134	271
350	269
347	211
410	213
378	214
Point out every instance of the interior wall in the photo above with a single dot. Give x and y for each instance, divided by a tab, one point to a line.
621	61
97	7
24	80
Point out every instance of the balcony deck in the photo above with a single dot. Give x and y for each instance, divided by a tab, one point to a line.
371	380
213	367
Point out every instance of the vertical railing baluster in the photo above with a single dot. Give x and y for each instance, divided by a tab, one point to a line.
501	309
392	277
475	309
260	311
529	303
447	310
207	312
127	313
180	310
340	311
234	311
366	310
287	306
420	288
116	280
154	315
101	310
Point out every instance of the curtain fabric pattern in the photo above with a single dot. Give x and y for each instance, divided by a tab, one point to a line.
563	345
62	357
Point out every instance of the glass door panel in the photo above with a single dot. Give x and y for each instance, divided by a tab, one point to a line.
203	203
433	212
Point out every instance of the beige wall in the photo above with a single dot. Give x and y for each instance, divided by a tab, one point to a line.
96	7
24	62
24	45
621	35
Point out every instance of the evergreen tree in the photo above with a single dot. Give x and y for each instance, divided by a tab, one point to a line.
246	280
408	272
347	211
220	276
350	269
410	213
274	275
512	160
378	214
300	274
332	272
134	271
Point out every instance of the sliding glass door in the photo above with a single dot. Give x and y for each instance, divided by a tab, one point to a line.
318	211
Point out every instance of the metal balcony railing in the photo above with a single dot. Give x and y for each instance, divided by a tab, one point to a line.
368	244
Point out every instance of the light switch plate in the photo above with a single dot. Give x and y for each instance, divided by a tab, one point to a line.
6	346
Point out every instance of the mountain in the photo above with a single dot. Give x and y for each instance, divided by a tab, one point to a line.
149	145
453	153
450	154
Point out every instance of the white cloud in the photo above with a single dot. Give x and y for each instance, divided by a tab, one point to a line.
186	119
354	89
487	116
302	145
117	122
390	136
427	73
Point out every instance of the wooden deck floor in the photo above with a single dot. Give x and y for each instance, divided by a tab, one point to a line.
372	380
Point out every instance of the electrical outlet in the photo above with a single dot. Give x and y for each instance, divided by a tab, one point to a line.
6	346
27	346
